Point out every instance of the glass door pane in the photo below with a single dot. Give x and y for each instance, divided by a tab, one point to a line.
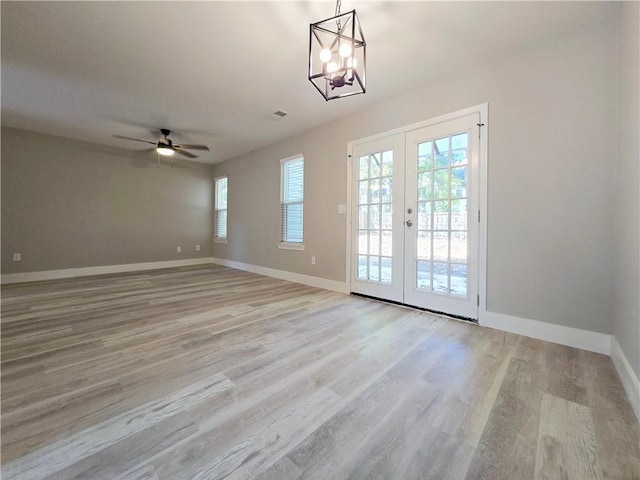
441	247
375	217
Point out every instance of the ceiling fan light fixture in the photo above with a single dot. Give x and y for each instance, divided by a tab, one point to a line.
338	55
165	150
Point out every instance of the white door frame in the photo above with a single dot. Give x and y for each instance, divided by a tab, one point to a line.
483	111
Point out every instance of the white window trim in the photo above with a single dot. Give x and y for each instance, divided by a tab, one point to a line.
291	246
215	210
299	246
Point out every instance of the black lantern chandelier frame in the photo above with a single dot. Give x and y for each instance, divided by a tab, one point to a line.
338	55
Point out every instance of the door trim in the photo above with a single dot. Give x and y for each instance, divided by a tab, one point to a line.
483	111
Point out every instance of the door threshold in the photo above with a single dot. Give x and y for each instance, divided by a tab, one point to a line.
413	307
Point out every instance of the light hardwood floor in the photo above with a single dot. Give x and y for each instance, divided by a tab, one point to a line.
209	373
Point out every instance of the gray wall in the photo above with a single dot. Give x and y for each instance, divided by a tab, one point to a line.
552	146
68	204
626	318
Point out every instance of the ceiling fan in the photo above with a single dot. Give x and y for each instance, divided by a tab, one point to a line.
166	147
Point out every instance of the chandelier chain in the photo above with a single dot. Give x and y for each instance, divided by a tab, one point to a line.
337	13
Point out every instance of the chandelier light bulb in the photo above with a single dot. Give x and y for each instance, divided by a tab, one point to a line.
325	55
345	50
332	67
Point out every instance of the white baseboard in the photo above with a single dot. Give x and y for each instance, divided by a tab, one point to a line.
101	270
334	285
572	337
630	381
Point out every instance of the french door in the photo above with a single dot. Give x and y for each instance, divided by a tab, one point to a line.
377	218
415	217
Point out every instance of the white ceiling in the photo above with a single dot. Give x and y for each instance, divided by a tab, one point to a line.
213	71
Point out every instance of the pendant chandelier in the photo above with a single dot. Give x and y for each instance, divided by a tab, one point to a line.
337	55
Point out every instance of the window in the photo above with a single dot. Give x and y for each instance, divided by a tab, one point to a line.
291	202
220	233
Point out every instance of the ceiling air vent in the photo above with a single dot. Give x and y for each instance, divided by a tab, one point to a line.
279	115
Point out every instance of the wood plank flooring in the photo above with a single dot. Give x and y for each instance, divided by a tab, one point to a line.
210	373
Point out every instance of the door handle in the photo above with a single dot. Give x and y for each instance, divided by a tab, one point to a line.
409	223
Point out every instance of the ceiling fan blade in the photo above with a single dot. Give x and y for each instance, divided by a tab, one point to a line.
185	153
193	147
134	139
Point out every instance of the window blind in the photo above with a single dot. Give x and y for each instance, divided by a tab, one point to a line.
221	209
292	200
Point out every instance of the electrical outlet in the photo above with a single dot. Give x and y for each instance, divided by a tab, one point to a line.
313	260
197	248
17	257
179	249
